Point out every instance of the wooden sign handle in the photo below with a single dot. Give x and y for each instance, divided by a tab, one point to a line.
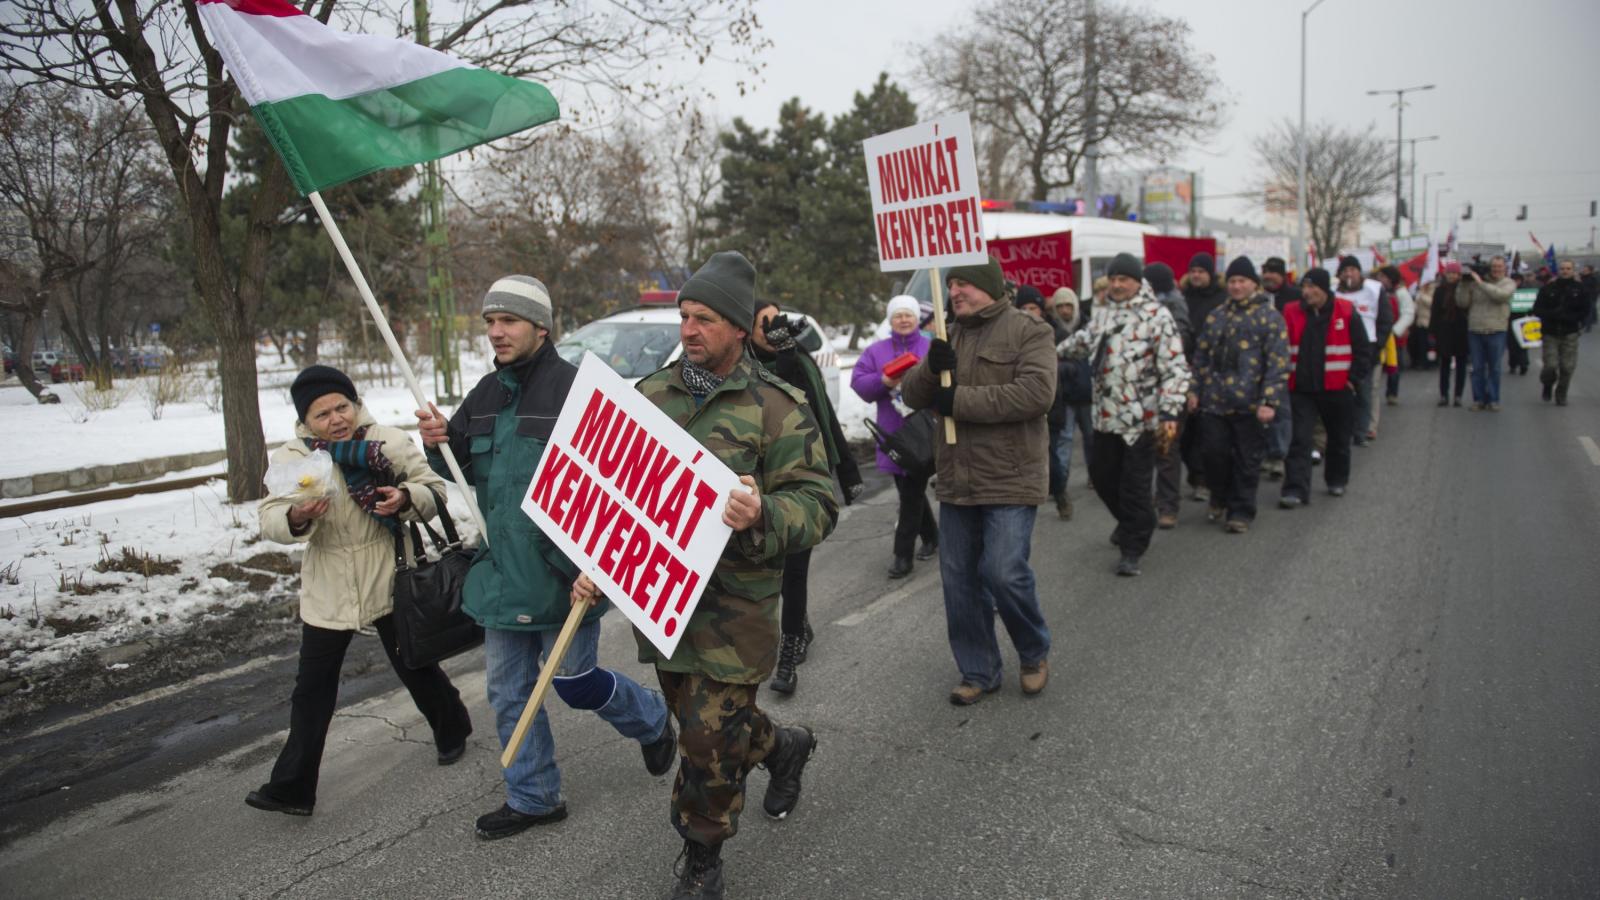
547	672
936	286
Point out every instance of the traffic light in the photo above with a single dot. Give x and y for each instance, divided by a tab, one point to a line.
1522	213
1468	214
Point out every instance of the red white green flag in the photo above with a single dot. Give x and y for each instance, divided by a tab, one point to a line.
338	106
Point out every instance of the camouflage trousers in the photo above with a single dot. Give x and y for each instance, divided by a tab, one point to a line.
722	735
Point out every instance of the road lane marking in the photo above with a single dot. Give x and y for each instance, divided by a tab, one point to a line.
883	603
1590	448
158	693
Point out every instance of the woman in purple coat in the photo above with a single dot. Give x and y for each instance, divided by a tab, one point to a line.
868	380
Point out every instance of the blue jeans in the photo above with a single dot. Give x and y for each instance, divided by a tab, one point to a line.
983	558
1077	417
1486	352
513	658
1280	432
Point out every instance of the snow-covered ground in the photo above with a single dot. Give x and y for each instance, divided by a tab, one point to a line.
54	601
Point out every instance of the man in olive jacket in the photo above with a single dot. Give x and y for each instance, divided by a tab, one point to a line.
1002	364
761	428
519	584
1488	305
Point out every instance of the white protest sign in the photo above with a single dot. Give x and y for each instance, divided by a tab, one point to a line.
926	205
634	500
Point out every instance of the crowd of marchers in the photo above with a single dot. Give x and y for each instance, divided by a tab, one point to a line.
1151	376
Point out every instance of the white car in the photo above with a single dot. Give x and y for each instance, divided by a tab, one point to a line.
638	341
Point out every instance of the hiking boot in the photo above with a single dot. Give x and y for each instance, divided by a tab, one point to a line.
260	800
661	753
792	749
505	821
784	678
901	567
807	635
1167	520
965	694
928	549
1238	526
1128	566
1063	506
1035	677
699	872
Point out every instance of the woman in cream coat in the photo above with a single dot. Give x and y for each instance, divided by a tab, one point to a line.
347	578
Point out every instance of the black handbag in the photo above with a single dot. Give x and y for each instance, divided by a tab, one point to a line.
429	624
912	446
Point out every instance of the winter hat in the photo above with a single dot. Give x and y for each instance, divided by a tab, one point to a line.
1350	262
1319	277
727	284
1450	265
1242	266
1064	295
986	277
1204	260
1159	274
1029	295
1126	264
316	382
904	303
522	296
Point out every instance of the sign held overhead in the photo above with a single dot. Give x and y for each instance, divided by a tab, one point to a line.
926	206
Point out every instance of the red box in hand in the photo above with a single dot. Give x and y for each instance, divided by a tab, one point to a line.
900	365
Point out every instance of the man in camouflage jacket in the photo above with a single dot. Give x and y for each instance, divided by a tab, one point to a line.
761	428
1241	366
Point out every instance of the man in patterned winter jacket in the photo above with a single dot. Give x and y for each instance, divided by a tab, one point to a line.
1241	369
1140	378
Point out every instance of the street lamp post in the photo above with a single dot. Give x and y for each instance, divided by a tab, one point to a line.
1436	197
1431	223
1399	138
1300	138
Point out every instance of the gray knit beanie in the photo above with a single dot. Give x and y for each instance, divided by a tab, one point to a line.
522	296
727	284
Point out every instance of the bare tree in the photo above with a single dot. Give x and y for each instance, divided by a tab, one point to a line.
1019	68
158	53
1347	173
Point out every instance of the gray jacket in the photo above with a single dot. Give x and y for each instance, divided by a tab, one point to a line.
1488	303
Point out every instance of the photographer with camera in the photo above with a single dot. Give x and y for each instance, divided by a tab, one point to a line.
1487	300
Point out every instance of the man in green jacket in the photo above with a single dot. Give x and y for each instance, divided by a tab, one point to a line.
1488	305
760	428
518	586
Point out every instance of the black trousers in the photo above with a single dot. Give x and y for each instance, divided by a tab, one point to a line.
796	572
1336	410
1459	360
1121	477
316	693
1233	447
916	515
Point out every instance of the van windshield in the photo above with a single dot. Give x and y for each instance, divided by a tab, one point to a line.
631	349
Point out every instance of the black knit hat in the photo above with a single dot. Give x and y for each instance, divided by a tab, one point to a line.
1160	276
1319	277
727	284
1204	260
1350	262
316	382
1028	294
1242	266
986	277
1275	264
1126	264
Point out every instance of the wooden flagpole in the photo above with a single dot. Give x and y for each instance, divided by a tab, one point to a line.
332	228
547	672
936	286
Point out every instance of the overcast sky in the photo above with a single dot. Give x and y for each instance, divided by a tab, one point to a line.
1515	109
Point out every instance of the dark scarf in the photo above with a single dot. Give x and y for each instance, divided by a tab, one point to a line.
365	470
700	382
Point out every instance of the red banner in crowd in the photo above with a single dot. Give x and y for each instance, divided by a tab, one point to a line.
1044	261
1176	251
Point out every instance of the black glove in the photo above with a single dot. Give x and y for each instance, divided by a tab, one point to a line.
780	332
945	401
941	356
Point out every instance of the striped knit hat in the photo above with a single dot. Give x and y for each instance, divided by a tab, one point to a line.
522	296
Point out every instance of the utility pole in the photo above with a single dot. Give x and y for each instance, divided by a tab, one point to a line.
1411	204
1300	139
436	244
1437	196
1399	140
1091	114
1431	223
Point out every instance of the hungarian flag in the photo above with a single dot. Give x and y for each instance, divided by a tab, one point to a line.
338	106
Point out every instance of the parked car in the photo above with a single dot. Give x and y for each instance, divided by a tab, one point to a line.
43	360
66	368
639	341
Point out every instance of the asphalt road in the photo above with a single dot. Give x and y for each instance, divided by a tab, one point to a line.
1393	694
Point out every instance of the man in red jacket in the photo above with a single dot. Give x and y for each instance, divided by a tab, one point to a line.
1329	355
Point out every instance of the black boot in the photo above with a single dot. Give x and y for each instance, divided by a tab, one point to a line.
699	872
806	637
901	567
784	678
792	749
